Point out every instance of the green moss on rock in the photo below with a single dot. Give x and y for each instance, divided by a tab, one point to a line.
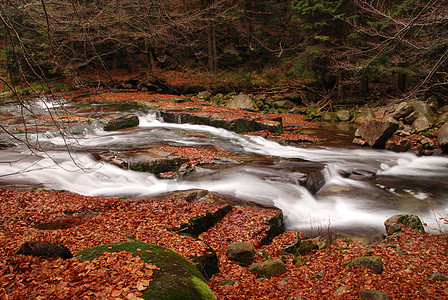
176	279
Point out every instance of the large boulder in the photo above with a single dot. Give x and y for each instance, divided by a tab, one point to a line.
402	110
269	267
315	180
243	101
442	137
176	277
44	249
374	263
377	131
422	123
242	253
424	109
122	122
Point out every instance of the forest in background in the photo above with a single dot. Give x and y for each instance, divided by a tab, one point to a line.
342	48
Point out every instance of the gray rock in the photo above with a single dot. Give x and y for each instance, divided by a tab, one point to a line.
377	131
411	117
269	267
360	142
422	123
341	291
394	223
373	295
442	137
402	110
315	180
284	104
242	253
44	249
343	115
363	115
443	119
424	109
243	101
374	263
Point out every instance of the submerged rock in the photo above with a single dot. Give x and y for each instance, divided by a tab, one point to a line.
176	278
44	249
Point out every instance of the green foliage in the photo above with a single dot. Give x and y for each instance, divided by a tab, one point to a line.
318	13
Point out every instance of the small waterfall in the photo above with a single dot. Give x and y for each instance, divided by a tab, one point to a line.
178	119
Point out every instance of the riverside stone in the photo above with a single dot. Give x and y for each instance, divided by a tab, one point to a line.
377	131
373	295
398	144
374	263
343	115
269	267
442	137
243	101
122	122
44	249
240	252
394	223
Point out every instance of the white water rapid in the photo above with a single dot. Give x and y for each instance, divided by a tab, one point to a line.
404	183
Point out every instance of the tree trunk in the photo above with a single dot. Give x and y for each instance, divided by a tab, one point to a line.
341	92
150	72
401	85
211	45
364	85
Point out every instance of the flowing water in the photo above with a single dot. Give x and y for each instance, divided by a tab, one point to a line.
403	182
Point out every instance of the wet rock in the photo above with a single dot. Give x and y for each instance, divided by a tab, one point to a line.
122	122
374	263
398	144
242	253
373	295
269	267
343	115
176	277
442	137
5	145
315	180
360	142
437	276
394	223
44	249
377	131
243	101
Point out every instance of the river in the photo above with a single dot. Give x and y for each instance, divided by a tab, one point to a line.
385	183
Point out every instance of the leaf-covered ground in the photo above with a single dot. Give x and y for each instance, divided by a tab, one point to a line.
79	222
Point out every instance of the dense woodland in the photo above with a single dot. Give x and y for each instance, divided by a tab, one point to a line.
344	48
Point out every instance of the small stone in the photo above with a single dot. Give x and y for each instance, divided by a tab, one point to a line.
342	290
44	249
242	253
373	295
318	275
269	267
374	263
437	276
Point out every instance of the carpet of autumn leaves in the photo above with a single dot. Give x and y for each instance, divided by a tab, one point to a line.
89	221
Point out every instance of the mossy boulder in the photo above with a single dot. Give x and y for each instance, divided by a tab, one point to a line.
200	224
394	223
269	267
374	263
176	279
276	227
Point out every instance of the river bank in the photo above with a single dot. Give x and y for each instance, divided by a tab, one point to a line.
409	257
